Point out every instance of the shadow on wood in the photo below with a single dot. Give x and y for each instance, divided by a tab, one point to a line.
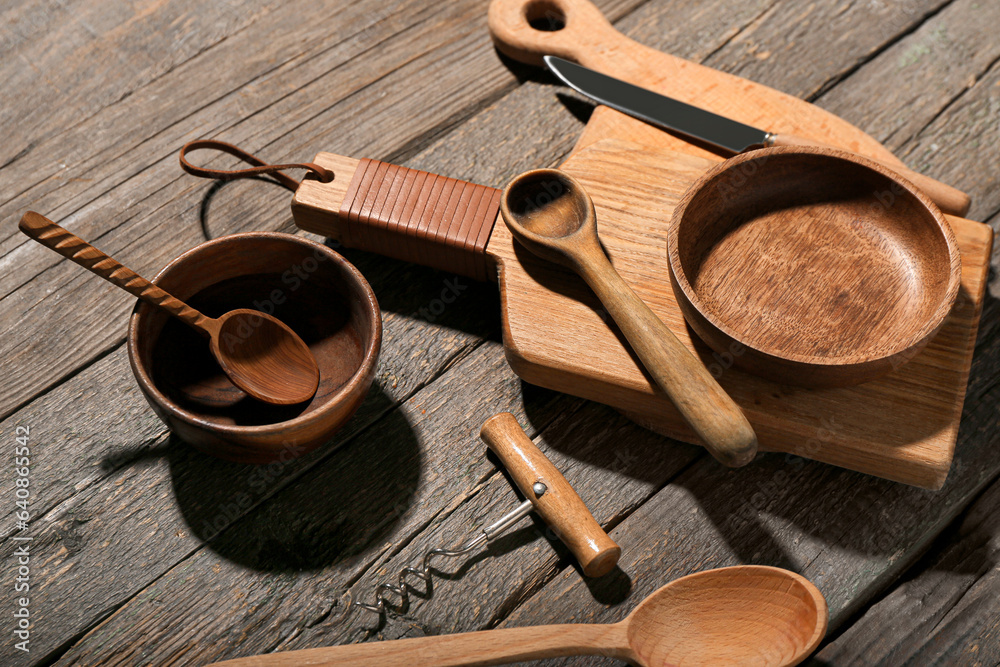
525	72
581	109
440	298
217	186
303	527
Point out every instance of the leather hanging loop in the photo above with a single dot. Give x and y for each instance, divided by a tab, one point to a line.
260	167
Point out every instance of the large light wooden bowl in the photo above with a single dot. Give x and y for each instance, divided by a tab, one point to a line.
812	266
309	287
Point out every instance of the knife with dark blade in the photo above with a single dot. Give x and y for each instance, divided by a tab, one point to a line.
715	130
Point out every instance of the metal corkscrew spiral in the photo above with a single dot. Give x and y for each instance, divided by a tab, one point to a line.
488	533
547	492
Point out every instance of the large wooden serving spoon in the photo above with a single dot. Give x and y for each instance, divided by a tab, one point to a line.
742	615
549	213
259	353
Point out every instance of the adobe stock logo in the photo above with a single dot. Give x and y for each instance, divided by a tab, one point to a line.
449	294
723	361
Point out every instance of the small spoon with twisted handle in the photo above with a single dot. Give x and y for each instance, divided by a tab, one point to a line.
550	213
259	353
747	615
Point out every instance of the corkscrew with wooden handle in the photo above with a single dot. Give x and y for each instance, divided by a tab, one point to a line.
547	493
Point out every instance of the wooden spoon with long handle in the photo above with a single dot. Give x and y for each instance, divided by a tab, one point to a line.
549	212
259	353
742	615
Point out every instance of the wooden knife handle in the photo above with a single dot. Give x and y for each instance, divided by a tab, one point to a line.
407	214
75	249
559	504
949	199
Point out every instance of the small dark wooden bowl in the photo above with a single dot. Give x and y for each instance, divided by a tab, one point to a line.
309	287
811	266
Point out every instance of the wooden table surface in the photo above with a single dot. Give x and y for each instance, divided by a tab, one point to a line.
144	551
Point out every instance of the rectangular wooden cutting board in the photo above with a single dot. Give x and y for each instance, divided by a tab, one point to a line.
902	427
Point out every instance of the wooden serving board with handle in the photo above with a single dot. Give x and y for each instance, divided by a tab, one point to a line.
589	39
902	427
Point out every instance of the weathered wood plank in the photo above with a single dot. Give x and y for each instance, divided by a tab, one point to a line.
862	534
613	480
951	50
309	101
377	489
162	192
952	588
69	62
287	70
945	612
962	143
99	421
928	98
790	45
851	535
124	138
90	443
333	92
783	521
428	620
312	610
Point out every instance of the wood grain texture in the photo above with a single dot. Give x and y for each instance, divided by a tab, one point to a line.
514	569
853	540
820	266
950	48
97	441
392	482
75	61
608	123
945	610
886	515
712	617
95	427
589	39
915	446
186	506
127	152
162	101
551	215
561	507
